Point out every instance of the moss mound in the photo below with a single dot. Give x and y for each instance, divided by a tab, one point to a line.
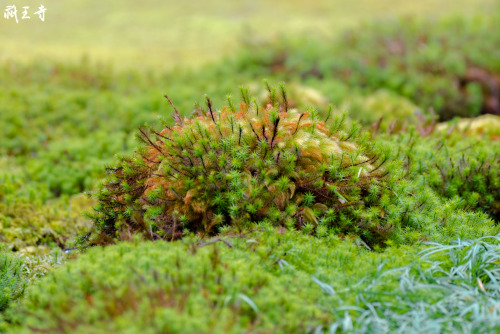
268	282
181	287
485	126
236	166
164	288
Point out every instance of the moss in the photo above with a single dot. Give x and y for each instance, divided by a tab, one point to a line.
269	281
422	60
384	106
464	168
186	287
26	226
11	283
61	123
485	127
247	164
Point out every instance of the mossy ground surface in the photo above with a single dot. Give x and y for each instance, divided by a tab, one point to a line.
269	281
63	120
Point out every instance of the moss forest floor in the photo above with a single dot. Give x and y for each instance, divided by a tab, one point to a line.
74	90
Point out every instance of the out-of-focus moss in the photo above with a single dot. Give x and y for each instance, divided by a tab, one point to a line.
31	227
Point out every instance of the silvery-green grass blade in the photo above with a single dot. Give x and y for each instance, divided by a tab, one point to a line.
451	288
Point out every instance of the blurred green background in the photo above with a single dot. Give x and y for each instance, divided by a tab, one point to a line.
167	34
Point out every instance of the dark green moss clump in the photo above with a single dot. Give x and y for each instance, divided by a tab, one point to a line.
236	166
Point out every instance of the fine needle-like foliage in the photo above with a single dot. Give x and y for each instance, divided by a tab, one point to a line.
455	165
11	284
242	164
453	289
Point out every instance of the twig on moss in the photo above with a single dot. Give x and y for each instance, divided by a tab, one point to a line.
214	241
